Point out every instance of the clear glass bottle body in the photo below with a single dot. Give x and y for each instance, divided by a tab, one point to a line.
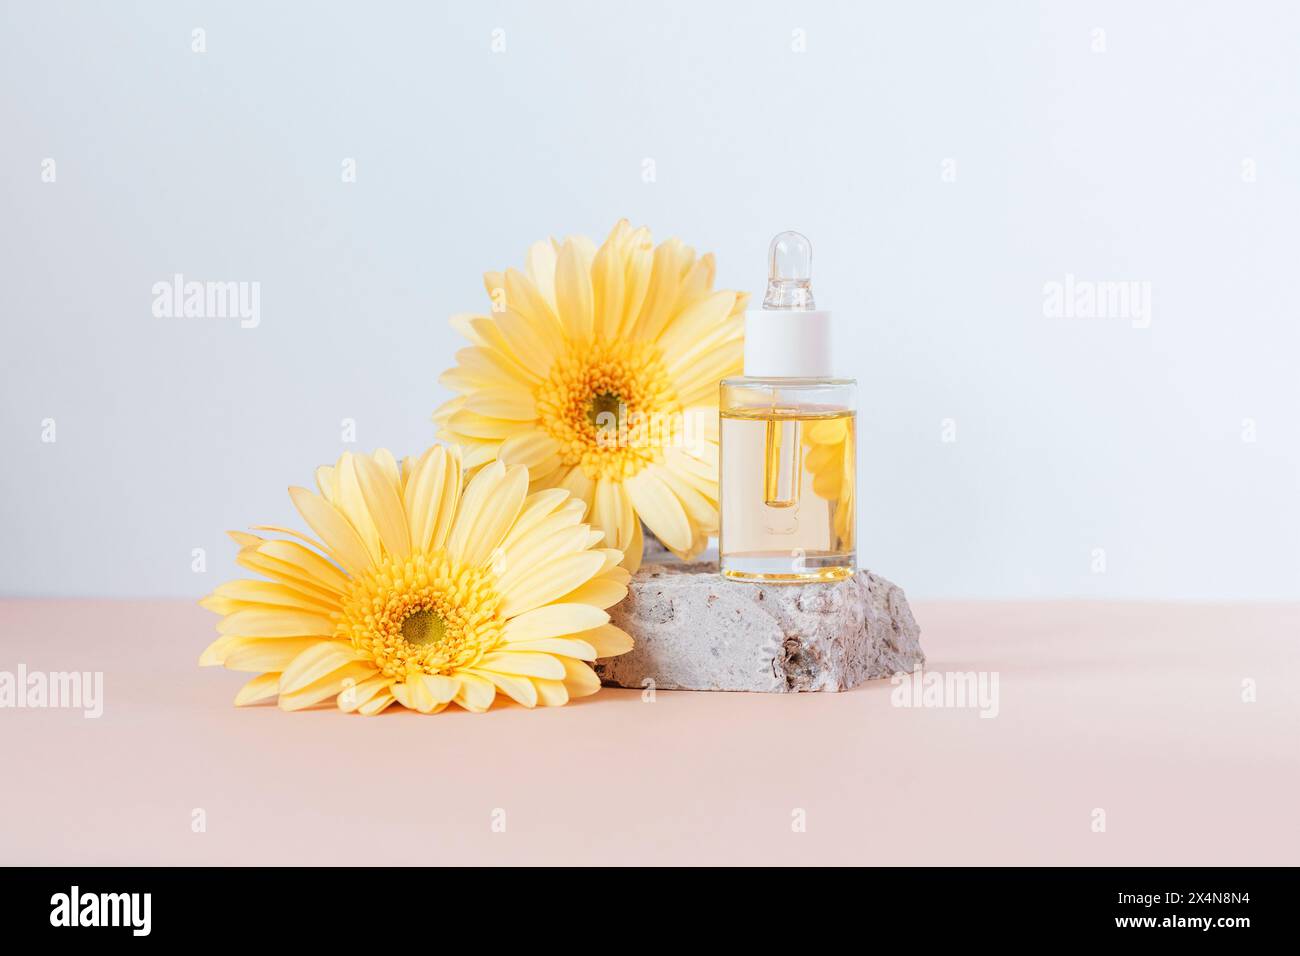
787	479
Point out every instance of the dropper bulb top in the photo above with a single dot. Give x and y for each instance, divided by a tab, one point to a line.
789	257
789	273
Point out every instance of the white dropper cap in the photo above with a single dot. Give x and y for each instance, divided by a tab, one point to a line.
788	337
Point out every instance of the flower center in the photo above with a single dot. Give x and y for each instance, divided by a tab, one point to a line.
424	627
425	614
603	410
611	406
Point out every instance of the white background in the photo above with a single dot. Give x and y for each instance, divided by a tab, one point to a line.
1071	434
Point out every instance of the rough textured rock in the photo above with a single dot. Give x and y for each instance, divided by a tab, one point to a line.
696	631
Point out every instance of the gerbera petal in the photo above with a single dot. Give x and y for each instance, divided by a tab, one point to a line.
551	579
540	265
637	265
830	431
423	496
352	503
308	541
519	562
524	663
261	688
525	299
463	322
494	333
414	694
443	413
698	280
579	679
333	528
553	620
381	489
600	591
709	369
702	513
476	693
326	686
529	448
275	622
220	605
607	279
567	646
533	527
478	494
612	512
453	480
724	349
696	327
460	380
519	689
376	704
488	366
608	640
249	591
551	693
473	425
260	654
310	567
215	653
476	452
523	338
441	688
496	516
635	549
353	697
513	404
314	663
404	694
579	486
701	475
660	509
388	466
573	294
661	293
244	539
537	508
325	481
614	558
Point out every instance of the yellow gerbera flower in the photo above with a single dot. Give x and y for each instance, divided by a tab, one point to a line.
598	369
420	594
831	460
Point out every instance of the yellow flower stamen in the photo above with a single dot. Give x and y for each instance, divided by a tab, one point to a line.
422	615
424	627
611	406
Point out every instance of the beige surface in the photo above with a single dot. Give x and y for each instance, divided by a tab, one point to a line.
1135	709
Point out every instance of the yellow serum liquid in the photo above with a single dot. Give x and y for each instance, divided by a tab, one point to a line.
787	489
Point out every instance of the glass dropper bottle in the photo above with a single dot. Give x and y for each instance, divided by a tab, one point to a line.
787	470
